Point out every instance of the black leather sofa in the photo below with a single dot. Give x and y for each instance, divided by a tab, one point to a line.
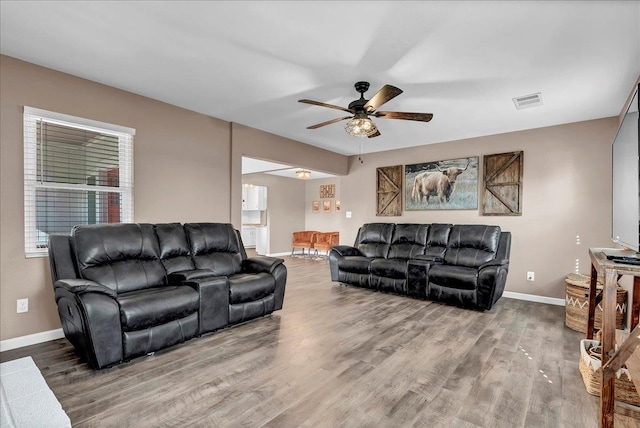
463	265
126	290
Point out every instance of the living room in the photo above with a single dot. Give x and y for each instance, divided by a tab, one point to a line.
187	164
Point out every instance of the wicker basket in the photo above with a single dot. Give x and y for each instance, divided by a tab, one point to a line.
591	371
577	304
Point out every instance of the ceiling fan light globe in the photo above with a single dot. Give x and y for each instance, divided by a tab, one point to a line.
303	174
361	127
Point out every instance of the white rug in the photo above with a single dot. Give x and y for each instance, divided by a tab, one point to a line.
27	400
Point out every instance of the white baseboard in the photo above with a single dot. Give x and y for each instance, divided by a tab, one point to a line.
534	298
30	339
288	253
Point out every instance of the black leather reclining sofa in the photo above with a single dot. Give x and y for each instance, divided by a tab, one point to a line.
126	290
463	265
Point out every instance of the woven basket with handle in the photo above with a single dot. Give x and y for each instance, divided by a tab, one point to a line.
591	370
577	304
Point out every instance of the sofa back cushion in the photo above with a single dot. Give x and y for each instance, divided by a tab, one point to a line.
124	257
408	241
214	246
472	245
374	239
175	253
437	239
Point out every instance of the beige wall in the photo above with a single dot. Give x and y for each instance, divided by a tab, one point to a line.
567	192
285	208
261	145
321	221
181	173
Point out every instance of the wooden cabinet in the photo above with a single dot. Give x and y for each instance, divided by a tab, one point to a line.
249	236
254	198
262	241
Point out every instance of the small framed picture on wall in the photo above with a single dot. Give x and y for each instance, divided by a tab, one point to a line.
337	205
327	191
326	206
315	206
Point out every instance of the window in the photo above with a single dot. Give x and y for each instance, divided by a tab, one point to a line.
76	171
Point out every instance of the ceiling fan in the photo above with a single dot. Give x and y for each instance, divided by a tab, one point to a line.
360	125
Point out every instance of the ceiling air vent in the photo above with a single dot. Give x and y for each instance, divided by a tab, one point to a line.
527	101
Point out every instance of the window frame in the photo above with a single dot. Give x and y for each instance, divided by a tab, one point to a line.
32	182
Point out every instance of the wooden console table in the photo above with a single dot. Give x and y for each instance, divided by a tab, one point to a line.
612	361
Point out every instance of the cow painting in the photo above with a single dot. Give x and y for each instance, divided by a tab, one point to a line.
442	185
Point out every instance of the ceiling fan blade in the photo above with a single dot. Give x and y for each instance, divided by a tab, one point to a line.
328	122
318	103
375	135
385	94
421	117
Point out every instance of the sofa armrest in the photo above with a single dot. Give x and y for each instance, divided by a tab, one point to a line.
418	276
189	275
492	278
213	312
502	262
81	286
90	317
431	259
345	250
260	264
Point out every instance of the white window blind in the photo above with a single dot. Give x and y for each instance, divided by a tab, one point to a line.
76	171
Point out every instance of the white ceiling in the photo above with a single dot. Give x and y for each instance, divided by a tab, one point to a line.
251	166
249	62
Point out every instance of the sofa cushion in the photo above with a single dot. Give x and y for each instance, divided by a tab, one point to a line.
214	246
408	241
175	253
460	277
374	239
354	264
147	308
437	238
389	268
241	312
249	287
140	342
472	245
123	256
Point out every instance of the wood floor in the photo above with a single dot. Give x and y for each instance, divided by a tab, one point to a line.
341	356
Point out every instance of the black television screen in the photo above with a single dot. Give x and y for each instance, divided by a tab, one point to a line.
625	214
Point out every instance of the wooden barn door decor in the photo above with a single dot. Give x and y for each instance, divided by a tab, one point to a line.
389	191
502	192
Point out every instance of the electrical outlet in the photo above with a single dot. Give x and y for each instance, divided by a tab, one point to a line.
22	306
531	276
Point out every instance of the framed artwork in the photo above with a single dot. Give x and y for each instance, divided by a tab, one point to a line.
327	191
326	206
442	185
315	206
502	181
389	191
337	205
